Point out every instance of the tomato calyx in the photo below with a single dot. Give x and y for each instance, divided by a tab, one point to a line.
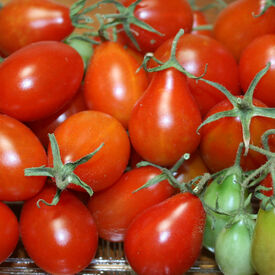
62	173
172	62
267	5
243	107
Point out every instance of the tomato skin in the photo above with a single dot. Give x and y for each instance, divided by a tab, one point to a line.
84	132
66	232
19	149
236	26
39	79
116	91
166	117
114	209
220	139
253	59
46	126
267	182
19	25
167	237
199	19
9	232
263	244
158	14
221	67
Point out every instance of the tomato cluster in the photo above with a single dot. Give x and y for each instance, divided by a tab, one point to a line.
167	124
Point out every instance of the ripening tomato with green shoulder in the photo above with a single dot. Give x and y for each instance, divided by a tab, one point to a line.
23	22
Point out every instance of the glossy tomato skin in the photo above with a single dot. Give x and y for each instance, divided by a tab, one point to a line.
84	132
263	244
20	25
163	123
114	208
199	19
9	232
220	139
19	149
117	89
221	67
66	232
236	27
159	14
167	237
46	126
253	59
39	79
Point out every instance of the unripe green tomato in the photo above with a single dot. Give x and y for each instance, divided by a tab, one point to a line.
263	245
233	248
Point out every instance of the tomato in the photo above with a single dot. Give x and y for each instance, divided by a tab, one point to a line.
19	149
199	19
39	79
66	232
9	232
23	22
233	248
167	237
159	14
267	182
45	126
114	209
163	123
84	132
236	26
221	67
220	139
263	244
119	83
254	58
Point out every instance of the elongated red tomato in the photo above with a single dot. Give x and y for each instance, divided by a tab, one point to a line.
167	237
26	21
117	89
84	132
9	232
236	26
39	79
19	149
163	123
114	209
66	232
221	67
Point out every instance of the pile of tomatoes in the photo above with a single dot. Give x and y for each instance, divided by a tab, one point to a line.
168	126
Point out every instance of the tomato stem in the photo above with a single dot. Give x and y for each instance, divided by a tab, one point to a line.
267	5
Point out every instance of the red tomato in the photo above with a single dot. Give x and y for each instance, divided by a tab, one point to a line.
39	79
23	22
46	126
236	26
167	237
66	232
19	149
199	19
119	84
267	182
167	17
220	139
81	134
253	59
221	67
114	209
163	123
9	232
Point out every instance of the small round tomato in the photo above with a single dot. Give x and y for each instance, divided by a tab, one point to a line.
114	208
9	232
23	22
39	79
84	132
61	239
117	89
167	237
19	149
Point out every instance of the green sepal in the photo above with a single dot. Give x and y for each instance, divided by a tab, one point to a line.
268	4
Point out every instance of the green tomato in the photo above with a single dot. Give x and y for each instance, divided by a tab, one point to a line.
233	248
263	245
227	196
